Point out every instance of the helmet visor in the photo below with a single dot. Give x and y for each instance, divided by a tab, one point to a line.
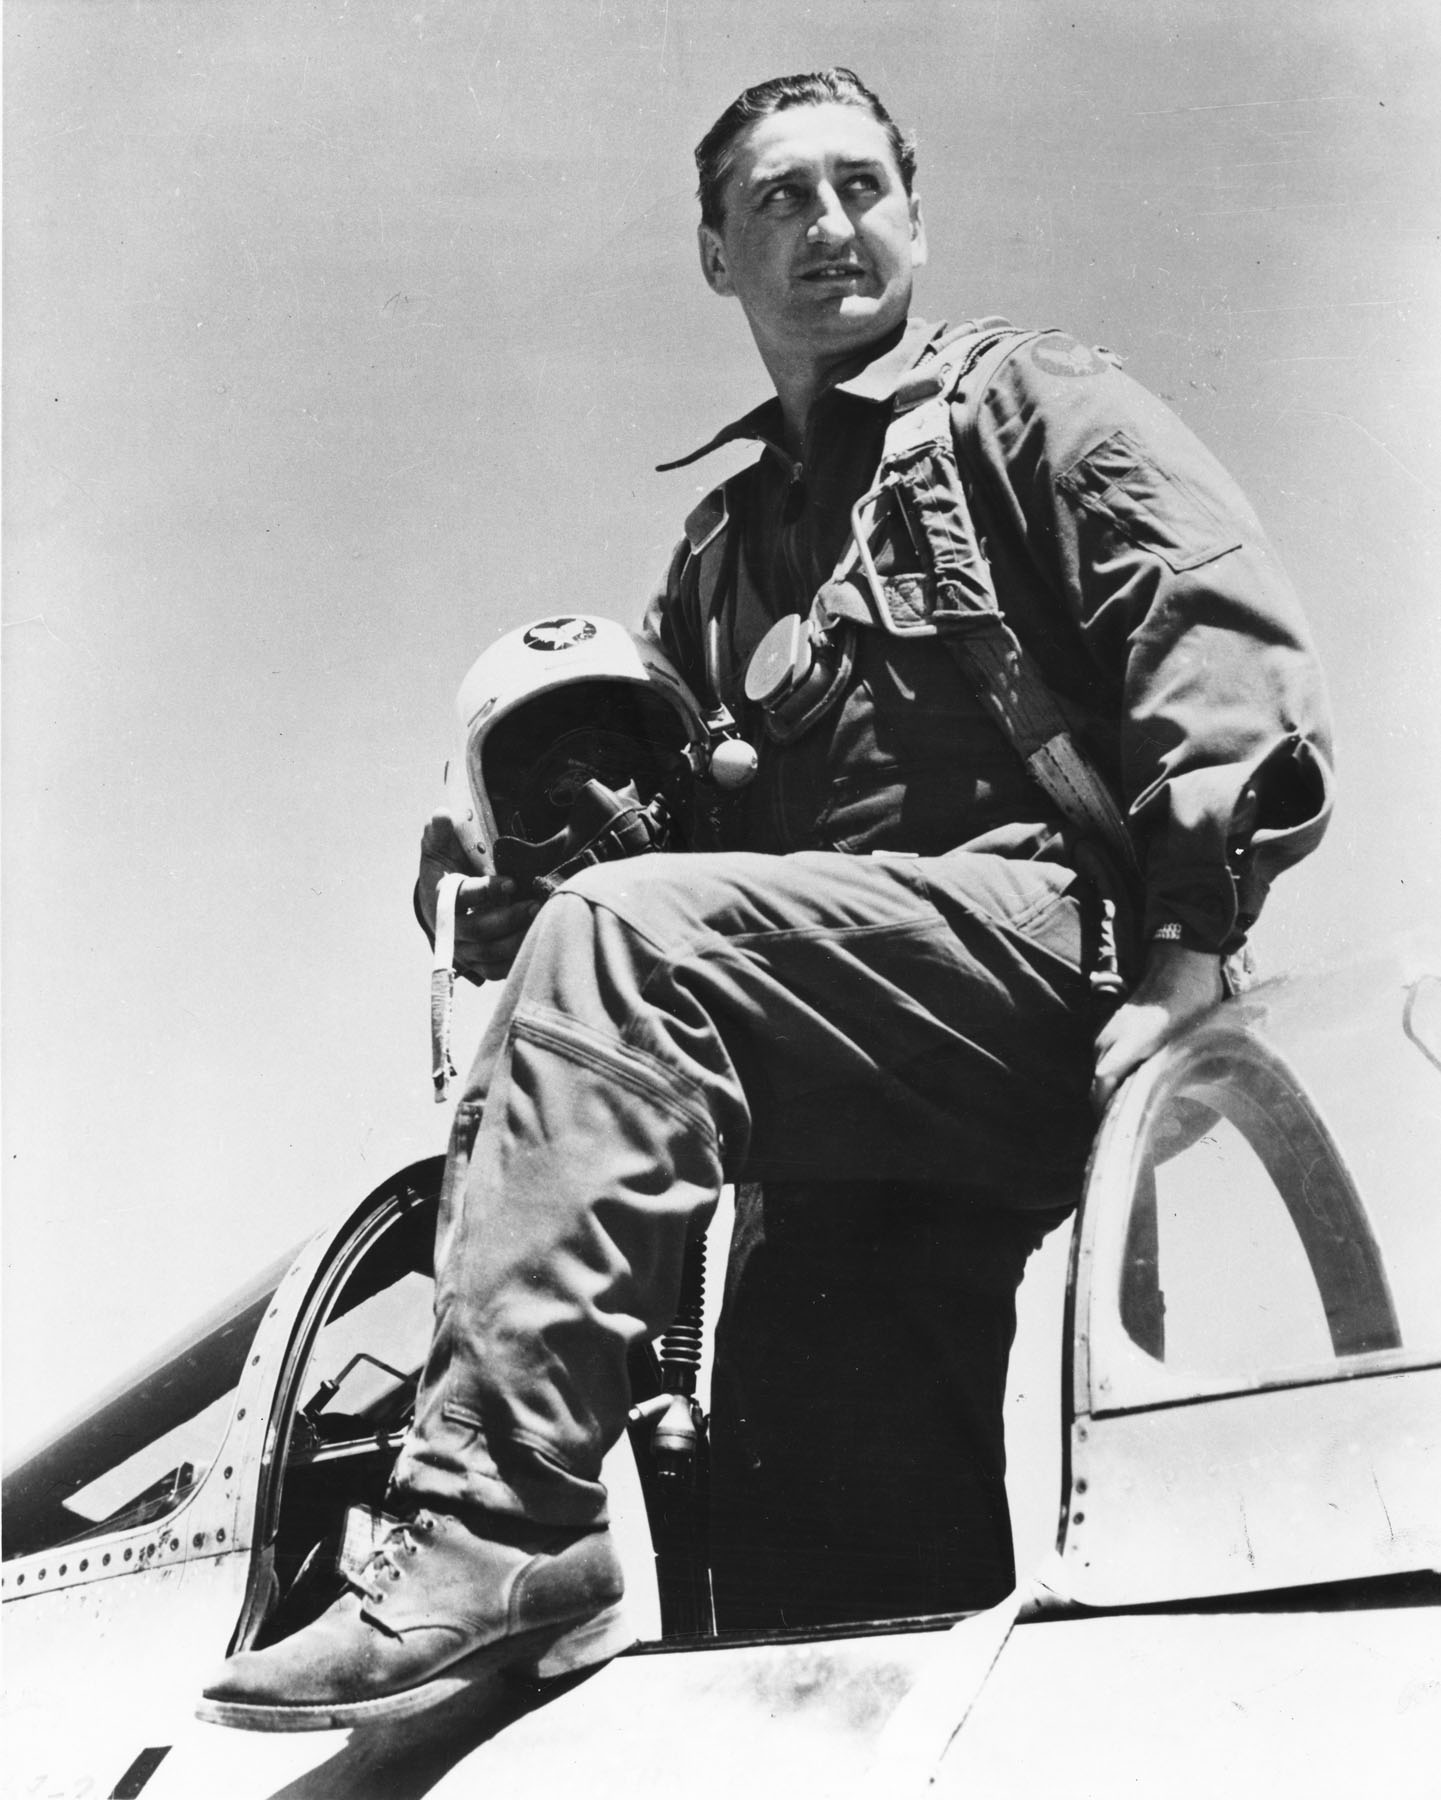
535	761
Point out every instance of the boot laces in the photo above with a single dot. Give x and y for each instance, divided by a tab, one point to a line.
387	1562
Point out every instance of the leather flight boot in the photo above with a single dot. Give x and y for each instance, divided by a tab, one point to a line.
438	1607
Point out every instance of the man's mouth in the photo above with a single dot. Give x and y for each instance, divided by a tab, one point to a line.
833	271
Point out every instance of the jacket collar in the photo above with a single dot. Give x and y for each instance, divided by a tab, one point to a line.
875	380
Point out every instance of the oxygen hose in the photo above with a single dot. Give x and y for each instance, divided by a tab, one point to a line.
676	1438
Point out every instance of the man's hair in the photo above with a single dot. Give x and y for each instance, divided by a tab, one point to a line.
715	153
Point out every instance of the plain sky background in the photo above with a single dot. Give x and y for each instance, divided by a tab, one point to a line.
342	337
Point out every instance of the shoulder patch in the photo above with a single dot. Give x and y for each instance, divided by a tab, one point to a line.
1057	354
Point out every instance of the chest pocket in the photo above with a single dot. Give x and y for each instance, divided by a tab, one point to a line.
909	760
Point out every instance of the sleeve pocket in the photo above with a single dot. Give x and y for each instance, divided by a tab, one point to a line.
1118	483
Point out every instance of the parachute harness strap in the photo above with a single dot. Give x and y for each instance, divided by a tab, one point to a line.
969	619
442	986
919	469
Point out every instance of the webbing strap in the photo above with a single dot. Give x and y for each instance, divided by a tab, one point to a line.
442	986
919	463
958	602
1069	778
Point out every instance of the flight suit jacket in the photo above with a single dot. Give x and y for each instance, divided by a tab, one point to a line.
1132	569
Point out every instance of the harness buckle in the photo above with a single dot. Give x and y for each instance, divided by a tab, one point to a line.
863	523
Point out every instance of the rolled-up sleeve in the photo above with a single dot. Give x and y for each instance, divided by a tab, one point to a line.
1186	615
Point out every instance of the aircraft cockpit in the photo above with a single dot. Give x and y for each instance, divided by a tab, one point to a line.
143	1448
1251	1428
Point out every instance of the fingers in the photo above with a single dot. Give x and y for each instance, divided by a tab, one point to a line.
1178	987
440	843
490	926
490	921
441	854
1128	1037
649	1410
486	908
491	961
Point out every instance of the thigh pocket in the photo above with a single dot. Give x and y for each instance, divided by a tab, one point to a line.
1034	900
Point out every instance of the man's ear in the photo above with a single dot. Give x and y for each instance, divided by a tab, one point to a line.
918	234
713	261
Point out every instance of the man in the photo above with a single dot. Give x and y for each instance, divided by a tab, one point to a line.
882	985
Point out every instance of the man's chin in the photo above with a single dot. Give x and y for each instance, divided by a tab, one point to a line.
858	317
842	328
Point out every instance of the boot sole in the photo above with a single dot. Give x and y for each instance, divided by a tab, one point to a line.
543	1655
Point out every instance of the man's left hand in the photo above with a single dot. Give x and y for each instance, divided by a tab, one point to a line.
1178	986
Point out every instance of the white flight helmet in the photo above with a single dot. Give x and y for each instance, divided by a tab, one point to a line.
567	701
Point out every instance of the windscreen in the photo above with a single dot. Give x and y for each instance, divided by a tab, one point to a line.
1283	1220
146	1443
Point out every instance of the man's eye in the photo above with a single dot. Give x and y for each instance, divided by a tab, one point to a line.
782	195
863	184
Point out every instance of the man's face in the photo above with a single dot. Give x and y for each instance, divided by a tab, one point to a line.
820	238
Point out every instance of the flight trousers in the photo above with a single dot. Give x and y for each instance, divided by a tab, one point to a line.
677	1022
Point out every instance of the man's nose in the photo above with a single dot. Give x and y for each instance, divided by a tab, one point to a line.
832	223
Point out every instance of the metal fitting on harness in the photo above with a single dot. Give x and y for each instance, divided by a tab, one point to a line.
799	669
801	666
1108	912
723	757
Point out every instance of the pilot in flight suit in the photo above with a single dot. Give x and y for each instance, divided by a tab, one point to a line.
873	1000
858	1455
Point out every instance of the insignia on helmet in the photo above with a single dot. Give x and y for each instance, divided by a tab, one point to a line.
558	634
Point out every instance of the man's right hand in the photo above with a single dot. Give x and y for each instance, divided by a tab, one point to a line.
489	921
1177	987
